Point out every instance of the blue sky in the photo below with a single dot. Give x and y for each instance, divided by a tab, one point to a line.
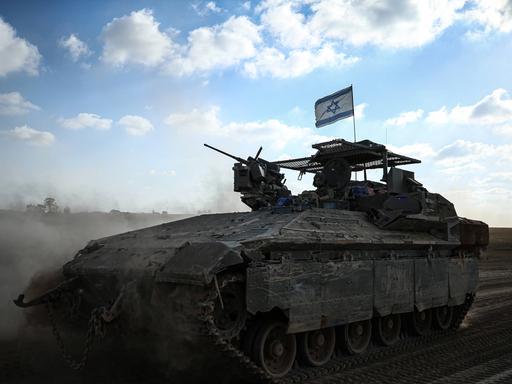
106	104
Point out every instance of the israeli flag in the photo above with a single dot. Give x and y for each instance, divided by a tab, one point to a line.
337	106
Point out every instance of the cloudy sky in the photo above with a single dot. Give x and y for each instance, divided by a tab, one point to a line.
106	104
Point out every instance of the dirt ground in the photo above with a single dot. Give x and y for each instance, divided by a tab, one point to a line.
480	352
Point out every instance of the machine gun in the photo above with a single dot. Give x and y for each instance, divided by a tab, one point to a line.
259	181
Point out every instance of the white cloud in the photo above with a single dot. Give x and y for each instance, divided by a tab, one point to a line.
359	110
196	120
135	125
503	130
288	25
202	9
493	111
438	117
464	156
272	131
272	62
213	7
491	16
13	103
17	54
504	176
135	39
76	47
154	172
30	135
290	38
419	150
275	132
86	120
235	43
384	23
405	118
221	46
461	156
284	156
495	108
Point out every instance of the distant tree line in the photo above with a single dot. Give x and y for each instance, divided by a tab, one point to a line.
49	206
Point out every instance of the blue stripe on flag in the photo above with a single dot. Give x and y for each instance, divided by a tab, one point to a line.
339	116
333	96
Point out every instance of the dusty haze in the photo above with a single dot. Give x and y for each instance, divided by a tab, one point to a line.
31	243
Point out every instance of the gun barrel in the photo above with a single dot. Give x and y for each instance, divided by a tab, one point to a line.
258	153
239	159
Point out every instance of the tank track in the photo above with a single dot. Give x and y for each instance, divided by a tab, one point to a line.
339	363
253	373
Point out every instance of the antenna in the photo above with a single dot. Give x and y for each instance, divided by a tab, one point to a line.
354	120
354	114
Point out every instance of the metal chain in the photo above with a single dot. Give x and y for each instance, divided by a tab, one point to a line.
96	328
255	373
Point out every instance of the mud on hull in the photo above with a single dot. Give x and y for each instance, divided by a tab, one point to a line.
296	314
260	323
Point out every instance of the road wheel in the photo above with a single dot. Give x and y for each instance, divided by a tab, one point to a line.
315	348
443	317
388	329
356	336
421	322
274	350
229	313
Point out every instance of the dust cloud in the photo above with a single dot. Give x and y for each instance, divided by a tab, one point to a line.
32	244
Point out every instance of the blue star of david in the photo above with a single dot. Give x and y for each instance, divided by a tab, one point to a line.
333	107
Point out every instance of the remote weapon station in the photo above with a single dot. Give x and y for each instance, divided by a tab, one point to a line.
299	281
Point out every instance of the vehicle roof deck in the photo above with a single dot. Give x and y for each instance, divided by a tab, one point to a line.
360	155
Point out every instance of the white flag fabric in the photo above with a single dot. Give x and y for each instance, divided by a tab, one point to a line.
337	106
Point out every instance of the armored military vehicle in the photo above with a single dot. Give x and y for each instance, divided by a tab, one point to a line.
290	284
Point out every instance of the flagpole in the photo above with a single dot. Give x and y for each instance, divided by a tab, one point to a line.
353	117
354	114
